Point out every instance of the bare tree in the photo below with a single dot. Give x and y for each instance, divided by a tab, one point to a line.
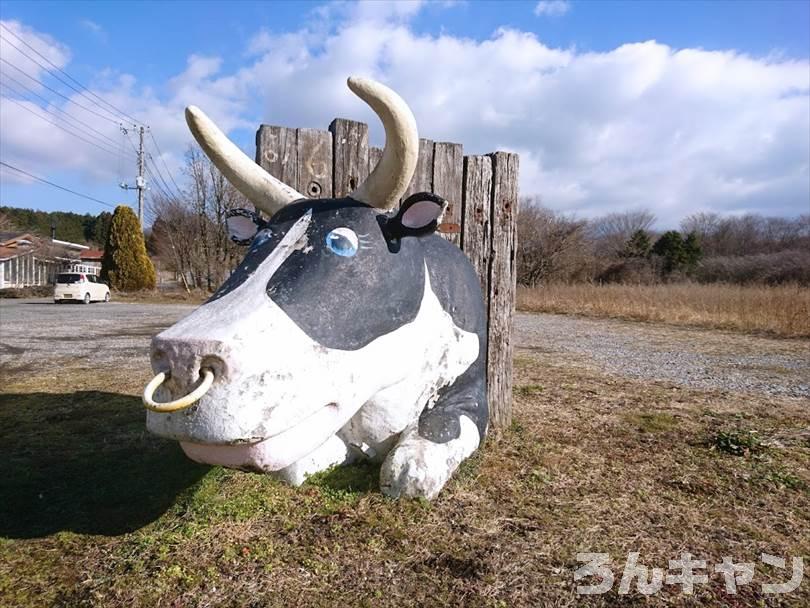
189	232
748	234
609	233
551	247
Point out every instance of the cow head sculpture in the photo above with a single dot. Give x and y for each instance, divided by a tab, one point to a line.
348	331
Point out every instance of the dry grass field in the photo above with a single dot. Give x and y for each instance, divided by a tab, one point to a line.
782	311
97	512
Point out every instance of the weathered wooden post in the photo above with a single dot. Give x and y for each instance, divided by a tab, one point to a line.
448	182
502	275
350	155
482	192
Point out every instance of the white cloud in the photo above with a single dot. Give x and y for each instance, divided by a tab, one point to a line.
552	8
642	125
39	147
13	50
94	28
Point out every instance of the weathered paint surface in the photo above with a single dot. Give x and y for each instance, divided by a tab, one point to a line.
323	358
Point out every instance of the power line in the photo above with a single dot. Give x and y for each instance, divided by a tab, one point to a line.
64	82
47	109
65	129
101	99
45	181
159	188
63	125
160	155
24	73
163	179
84	91
160	179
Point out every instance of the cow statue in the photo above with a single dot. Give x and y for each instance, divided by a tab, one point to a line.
351	330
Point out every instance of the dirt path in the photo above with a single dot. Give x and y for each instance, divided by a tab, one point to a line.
699	358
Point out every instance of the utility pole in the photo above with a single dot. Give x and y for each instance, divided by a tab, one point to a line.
140	180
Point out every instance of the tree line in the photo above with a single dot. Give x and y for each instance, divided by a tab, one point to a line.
188	237
82	228
624	248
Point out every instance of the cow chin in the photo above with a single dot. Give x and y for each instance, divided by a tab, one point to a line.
276	452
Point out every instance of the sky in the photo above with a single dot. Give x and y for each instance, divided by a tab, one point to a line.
675	107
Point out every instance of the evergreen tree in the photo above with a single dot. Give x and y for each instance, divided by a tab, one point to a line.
692	251
125	265
670	247
101	228
637	246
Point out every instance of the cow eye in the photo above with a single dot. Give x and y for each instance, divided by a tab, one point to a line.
342	242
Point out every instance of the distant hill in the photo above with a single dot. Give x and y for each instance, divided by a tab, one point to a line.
73	227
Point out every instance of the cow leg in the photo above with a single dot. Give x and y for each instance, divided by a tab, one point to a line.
419	467
333	452
429	451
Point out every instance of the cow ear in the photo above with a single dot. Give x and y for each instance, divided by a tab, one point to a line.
419	214
243	225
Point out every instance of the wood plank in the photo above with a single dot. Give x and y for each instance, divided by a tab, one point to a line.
502	287
374	156
422	180
448	173
349	155
276	153
475	229
314	154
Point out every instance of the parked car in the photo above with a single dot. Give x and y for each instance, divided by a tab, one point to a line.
78	287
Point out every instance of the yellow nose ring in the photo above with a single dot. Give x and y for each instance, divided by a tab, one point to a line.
177	404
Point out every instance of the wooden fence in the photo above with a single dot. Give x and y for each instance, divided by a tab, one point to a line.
482	192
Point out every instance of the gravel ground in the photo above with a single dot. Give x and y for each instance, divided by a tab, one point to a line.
707	359
34	332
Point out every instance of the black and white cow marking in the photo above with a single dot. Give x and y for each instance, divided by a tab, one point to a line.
345	333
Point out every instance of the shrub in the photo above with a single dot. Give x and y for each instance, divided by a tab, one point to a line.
125	266
737	443
637	246
632	271
770	269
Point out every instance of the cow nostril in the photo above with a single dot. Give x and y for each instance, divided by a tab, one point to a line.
215	364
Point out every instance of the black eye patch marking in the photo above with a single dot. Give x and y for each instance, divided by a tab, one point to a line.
346	302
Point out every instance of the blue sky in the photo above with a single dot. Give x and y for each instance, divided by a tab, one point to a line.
673	106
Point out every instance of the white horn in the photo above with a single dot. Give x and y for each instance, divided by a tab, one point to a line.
262	189
389	180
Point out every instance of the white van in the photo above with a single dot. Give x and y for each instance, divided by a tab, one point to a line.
78	287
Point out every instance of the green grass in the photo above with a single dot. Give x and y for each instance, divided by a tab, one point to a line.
652	422
95	511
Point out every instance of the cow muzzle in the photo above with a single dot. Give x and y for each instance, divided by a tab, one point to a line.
184	372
